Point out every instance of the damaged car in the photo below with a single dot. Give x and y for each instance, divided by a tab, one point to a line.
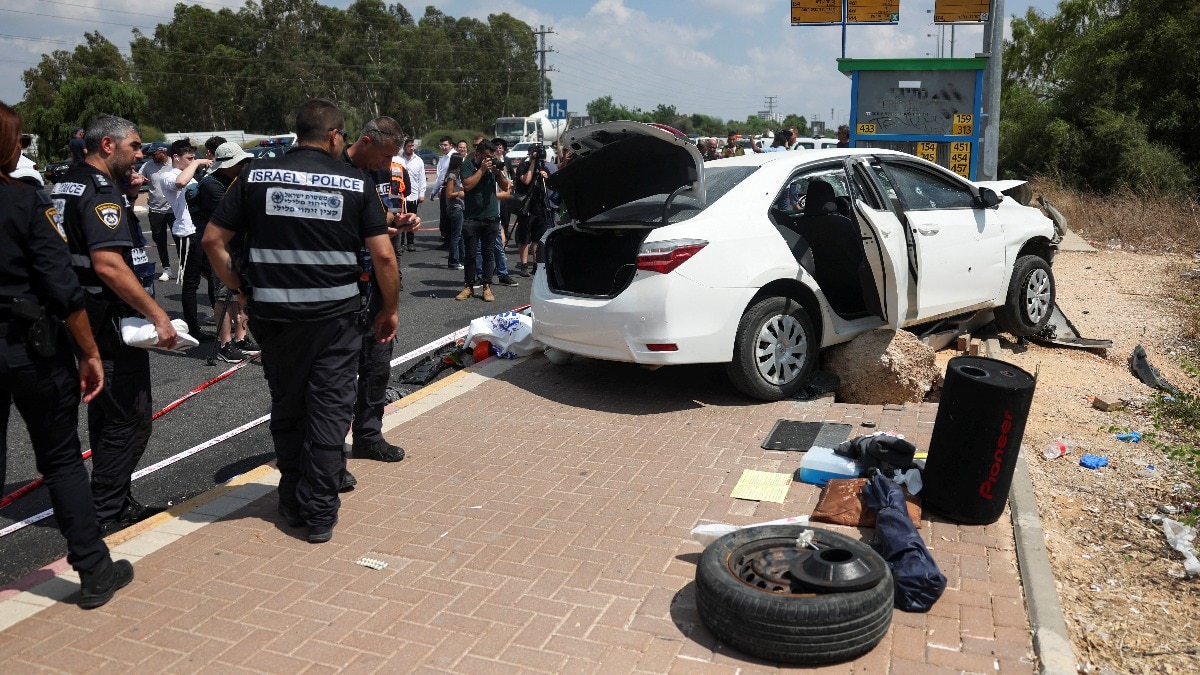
760	261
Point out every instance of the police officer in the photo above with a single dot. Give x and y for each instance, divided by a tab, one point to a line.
38	293
373	152
109	256
305	217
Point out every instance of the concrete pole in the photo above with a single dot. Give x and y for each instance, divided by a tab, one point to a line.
993	73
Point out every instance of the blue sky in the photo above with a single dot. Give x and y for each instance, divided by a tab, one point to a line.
717	57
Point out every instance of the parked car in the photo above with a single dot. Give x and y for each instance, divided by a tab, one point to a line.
55	171
519	152
27	172
428	156
759	261
261	151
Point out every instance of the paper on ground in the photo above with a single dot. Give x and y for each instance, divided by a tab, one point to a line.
762	486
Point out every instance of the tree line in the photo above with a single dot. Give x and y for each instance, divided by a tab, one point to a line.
251	69
604	109
1105	95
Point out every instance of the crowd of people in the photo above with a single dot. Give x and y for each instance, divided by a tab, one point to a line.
300	252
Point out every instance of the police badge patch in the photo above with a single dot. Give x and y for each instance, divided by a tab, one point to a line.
109	214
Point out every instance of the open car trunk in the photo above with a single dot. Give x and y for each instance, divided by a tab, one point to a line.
596	263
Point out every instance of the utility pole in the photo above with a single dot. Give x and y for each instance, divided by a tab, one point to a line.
769	104
993	42
542	32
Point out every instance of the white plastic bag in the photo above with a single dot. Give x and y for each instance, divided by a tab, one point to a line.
510	334
708	533
138	332
1180	537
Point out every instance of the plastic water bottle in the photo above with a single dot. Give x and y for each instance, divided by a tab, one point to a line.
1058	448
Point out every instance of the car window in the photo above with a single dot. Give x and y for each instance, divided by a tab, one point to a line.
718	181
922	190
791	197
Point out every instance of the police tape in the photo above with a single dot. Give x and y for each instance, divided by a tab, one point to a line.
39	481
22	524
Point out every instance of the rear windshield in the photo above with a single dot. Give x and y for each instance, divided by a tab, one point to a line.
717	182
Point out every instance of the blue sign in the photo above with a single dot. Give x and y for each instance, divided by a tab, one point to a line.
557	108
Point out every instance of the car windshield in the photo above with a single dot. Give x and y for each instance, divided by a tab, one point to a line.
717	182
521	147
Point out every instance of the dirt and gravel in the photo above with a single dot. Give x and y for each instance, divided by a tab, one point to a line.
1128	605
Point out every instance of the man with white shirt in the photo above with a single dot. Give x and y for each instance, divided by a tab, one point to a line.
173	182
415	167
160	210
446	146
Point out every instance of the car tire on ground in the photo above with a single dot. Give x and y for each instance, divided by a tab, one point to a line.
774	350
745	597
1030	299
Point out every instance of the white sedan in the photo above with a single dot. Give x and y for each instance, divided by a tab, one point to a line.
759	261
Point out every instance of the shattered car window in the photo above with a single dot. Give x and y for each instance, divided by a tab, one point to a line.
921	190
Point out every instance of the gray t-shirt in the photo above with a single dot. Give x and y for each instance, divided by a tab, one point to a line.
157	200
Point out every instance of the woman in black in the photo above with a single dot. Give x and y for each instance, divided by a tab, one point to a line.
39	294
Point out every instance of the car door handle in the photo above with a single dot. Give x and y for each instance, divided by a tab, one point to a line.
928	229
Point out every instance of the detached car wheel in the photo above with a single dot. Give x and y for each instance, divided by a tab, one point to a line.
747	596
1030	299
774	350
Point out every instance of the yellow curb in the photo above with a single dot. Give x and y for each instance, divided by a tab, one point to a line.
178	510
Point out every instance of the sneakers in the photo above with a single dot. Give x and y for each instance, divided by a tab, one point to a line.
506	280
411	248
201	335
466	293
454	266
487	294
230	353
98	586
319	534
521	270
348	482
383	451
248	346
164	276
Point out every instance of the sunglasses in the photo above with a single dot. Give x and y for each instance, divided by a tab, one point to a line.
345	134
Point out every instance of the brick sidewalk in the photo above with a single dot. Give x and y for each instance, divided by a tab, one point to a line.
541	522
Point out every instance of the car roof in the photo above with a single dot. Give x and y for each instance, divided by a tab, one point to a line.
797	156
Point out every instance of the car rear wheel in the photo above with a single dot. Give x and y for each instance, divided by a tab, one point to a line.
1030	299
774	350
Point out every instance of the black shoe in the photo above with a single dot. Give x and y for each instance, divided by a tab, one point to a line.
133	512
521	271
319	534
230	353
290	516
110	527
381	451
506	280
410	248
348	482
247	345
98	586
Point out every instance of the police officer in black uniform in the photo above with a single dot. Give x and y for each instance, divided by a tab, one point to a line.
109	256
305	216
38	293
373	152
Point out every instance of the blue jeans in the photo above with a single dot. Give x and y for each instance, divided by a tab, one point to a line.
456	237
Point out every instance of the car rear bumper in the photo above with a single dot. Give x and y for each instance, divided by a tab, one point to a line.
656	309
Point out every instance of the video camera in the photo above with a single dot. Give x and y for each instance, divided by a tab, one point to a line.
537	151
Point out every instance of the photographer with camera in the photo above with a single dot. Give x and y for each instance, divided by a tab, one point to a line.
482	174
533	210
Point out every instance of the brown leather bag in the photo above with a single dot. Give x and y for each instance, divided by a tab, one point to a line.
841	503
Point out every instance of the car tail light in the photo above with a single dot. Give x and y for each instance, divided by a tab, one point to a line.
665	256
663	347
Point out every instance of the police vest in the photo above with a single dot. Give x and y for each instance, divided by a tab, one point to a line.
94	214
305	216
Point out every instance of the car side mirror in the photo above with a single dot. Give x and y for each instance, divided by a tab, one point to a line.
988	198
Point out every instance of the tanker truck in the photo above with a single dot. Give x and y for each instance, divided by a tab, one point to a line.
526	129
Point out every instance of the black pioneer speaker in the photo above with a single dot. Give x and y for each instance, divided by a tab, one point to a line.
976	437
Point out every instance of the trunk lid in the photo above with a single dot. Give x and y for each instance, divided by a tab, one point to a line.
617	163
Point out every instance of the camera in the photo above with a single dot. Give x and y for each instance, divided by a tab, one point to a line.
537	151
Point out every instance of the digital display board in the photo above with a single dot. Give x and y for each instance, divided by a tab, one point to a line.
816	11
961	11
873	11
920	102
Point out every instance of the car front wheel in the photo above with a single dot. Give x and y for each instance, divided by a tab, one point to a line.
1030	298
774	351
